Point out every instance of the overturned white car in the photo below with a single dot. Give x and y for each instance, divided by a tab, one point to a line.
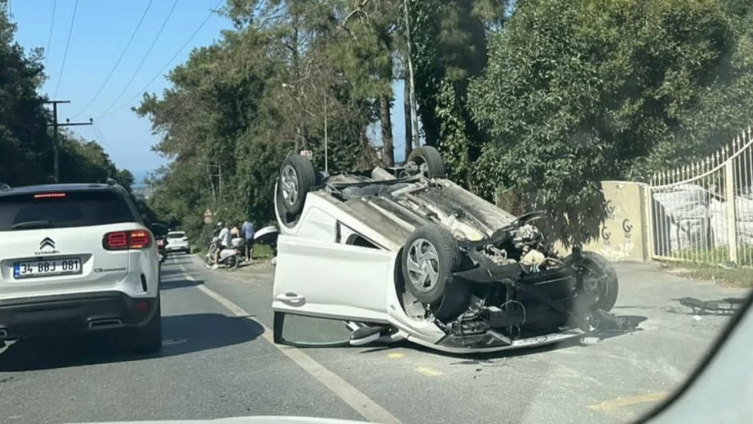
408	254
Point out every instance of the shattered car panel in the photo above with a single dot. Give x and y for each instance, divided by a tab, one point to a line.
505	287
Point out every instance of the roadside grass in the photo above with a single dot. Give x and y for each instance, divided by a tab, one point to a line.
262	251
728	276
716	255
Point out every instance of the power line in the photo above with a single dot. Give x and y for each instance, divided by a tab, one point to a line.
98	133
112	71
67	43
49	37
138	68
158	74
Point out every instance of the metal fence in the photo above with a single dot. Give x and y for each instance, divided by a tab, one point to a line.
703	212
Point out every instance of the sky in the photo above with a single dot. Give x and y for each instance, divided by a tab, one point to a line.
99	34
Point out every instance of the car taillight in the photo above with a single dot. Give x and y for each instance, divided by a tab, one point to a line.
139	240
124	240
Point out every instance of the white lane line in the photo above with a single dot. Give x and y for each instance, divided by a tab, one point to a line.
357	400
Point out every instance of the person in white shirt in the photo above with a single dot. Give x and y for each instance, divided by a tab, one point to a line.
225	241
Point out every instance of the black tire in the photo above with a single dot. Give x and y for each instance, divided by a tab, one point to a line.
448	259
607	280
430	156
147	339
231	262
297	170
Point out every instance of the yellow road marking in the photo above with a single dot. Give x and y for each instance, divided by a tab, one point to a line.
394	355
357	400
429	372
620	402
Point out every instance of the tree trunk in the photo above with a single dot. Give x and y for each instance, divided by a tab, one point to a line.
408	120
388	155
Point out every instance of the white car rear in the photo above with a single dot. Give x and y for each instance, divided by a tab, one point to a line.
77	258
177	241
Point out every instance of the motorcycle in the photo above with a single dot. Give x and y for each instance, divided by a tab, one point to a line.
229	256
161	249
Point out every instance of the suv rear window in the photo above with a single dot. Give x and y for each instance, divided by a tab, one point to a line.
176	235
62	210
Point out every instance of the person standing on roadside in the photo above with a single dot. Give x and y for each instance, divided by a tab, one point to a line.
247	230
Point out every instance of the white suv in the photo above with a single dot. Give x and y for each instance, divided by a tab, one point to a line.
77	258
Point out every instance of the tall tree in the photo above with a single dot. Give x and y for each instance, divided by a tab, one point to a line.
24	138
576	92
448	46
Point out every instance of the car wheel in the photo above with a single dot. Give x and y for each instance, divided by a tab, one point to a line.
598	269
429	257
429	156
297	177
148	339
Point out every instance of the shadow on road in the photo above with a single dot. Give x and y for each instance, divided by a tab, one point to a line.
182	334
179	284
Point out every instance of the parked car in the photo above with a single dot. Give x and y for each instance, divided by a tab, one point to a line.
409	254
77	258
178	242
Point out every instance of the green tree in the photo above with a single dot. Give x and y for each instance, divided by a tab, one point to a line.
576	92
24	138
26	155
237	107
448	46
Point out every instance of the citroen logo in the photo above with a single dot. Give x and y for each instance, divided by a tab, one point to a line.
47	242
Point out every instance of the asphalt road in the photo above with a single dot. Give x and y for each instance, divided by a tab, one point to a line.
217	361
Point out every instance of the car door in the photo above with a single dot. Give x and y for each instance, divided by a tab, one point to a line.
330	281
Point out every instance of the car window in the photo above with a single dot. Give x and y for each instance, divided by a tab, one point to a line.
176	235
62	210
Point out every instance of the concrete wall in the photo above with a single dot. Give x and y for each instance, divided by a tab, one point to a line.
624	234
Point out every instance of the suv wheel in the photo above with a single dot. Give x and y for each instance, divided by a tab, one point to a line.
147	339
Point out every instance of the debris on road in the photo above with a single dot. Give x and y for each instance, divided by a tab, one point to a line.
726	306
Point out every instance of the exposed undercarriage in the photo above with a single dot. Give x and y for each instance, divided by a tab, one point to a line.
481	275
512	285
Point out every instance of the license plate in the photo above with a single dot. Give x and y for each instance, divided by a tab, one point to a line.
46	268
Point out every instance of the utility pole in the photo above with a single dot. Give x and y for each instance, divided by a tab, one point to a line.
55	124
326	160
